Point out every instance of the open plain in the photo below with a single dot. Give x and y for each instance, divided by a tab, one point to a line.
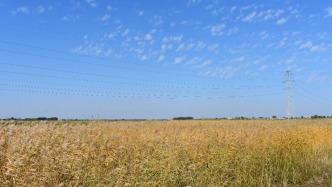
167	153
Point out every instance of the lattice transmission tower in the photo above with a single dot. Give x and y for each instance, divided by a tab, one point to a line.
289	89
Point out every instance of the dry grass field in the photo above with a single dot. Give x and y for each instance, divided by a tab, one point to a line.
167	153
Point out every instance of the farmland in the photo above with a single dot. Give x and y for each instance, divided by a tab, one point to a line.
167	153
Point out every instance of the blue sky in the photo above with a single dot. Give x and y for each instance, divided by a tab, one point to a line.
160	59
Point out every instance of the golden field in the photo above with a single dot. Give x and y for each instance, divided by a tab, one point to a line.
167	153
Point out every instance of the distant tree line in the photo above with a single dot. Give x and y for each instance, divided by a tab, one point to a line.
183	118
319	117
34	119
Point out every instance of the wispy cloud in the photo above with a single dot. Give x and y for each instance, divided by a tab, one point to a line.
193	2
148	37
179	59
281	21
317	77
70	17
105	18
250	17
239	59
140	13
222	72
264	15
172	39
271	14
156	20
217	30
204	64
125	32
93	50
40	9
109	8
32	10
22	9
328	11
161	58
311	47
232	31
92	3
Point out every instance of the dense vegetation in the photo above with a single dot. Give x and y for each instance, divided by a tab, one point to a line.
167	153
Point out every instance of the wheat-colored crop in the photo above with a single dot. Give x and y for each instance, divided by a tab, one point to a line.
167	153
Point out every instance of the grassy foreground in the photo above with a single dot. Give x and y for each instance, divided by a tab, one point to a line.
167	153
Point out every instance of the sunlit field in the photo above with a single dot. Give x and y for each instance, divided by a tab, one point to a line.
167	153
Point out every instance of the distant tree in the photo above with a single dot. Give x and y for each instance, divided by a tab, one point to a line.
183	118
274	117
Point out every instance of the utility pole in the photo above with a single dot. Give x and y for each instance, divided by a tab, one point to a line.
289	89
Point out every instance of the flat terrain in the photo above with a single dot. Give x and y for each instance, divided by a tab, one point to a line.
167	153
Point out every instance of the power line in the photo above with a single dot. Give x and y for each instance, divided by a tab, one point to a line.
182	73
315	99
84	86
121	95
124	83
129	78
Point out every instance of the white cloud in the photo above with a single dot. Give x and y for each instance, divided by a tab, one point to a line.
271	14
22	9
329	11
194	60
156	21
233	9
161	58
204	64
223	72
263	67
148	37
311	47
109	8
240	59
125	32
267	15
32	10
70	17
193	2
217	30
249	17
232	31
165	47
317	48
179	59
200	45
264	35
181	47
40	9
172	39
317	77
282	21
92	3
144	57
112	35
218	11
213	48
140	13
105	18
93	50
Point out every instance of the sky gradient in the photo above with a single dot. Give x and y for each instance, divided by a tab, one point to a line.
97	59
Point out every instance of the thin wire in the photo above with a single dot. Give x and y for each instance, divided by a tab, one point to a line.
122	83
128	95
84	86
135	79
183	73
